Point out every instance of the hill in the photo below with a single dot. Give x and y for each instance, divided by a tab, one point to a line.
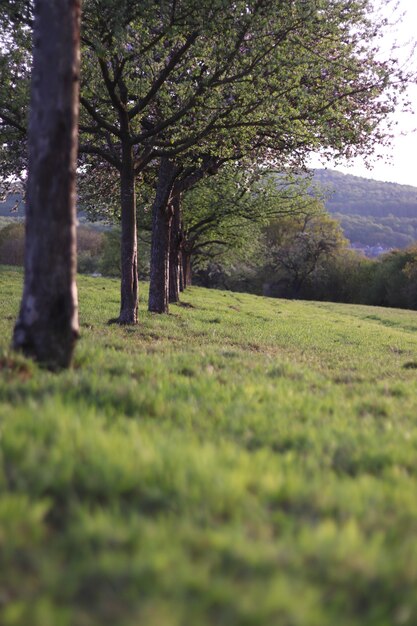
353	195
242	461
372	213
375	216
12	207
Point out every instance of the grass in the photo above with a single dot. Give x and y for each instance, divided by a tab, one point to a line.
241	462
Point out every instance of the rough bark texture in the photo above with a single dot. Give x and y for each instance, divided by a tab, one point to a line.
175	251
47	326
160	246
129	247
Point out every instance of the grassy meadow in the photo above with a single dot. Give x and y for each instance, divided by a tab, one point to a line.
241	462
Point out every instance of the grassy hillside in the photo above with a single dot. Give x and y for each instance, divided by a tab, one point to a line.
241	462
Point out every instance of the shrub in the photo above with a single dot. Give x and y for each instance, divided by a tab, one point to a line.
90	243
12	244
110	258
90	240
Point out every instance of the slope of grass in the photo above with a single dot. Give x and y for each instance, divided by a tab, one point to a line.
240	462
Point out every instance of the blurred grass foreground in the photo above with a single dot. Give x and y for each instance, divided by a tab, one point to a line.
241	462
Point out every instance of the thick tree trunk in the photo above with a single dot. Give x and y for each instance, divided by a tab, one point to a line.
129	246
47	326
175	251
160	248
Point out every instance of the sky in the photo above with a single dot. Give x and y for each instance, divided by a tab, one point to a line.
397	163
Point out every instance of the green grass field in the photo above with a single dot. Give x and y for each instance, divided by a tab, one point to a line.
241	462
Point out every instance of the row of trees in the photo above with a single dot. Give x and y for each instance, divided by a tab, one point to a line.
302	254
305	256
170	94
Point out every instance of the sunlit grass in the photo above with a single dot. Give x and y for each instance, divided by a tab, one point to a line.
242	461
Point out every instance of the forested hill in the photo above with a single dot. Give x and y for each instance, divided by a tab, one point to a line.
375	216
353	195
12	207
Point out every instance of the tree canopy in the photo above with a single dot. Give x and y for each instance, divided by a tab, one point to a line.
180	80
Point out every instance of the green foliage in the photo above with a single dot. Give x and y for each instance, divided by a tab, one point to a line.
388	281
354	195
184	96
372	213
345	277
90	242
5	221
296	246
109	262
387	232
242	461
15	66
393	278
12	243
98	250
110	258
224	216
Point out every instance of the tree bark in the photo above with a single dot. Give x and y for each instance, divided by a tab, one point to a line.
175	251
47	326
186	268
129	245
181	268
160	246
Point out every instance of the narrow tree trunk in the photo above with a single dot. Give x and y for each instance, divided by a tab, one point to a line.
160	248
129	246
181	258
174	256
181	269
47	326
187	268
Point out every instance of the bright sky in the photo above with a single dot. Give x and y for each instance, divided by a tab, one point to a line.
398	163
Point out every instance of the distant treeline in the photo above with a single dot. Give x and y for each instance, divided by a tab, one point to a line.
340	275
373	207
345	276
389	232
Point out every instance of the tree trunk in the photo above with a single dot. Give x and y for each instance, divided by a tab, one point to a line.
175	251
47	326
129	246
186	268
181	269
160	248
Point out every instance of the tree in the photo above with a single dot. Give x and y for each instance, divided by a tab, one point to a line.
162	89
283	79
123	102
166	252
47	326
298	244
15	67
224	216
